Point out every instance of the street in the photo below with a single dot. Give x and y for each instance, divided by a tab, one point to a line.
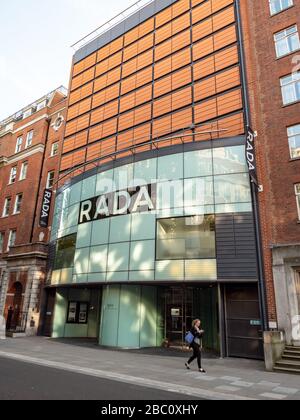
41	368
25	381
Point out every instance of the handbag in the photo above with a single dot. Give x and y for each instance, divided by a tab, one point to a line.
189	338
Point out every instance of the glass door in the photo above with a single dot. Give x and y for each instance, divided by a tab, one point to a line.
174	306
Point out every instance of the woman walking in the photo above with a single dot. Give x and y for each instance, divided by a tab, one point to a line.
196	345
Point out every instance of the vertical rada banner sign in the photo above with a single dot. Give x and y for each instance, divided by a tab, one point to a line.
250	155
45	210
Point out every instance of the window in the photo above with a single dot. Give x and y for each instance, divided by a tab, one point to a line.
19	144
297	191
1	242
11	239
78	313
287	41
186	238
294	141
23	173
41	105
6	208
13	175
277	6
18	203
50	179
65	252
29	139
290	87
54	149
27	113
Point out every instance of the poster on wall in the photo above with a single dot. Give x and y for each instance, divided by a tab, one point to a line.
83	313
72	312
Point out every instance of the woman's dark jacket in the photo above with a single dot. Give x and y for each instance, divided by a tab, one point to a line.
196	334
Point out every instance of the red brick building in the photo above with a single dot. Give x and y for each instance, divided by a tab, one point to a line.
30	143
272	52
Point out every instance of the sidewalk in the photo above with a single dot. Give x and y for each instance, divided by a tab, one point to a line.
231	379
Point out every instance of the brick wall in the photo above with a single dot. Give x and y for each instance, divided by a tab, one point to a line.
277	172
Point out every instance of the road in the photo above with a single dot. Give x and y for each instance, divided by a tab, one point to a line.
24	381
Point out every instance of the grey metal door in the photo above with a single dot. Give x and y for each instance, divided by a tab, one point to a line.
243	322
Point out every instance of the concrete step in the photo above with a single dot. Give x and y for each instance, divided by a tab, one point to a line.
296	352
291	357
293	348
288	364
287	370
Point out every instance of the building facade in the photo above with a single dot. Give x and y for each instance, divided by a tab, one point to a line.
272	49
154	223
30	145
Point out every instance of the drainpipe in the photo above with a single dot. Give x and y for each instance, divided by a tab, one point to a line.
254	190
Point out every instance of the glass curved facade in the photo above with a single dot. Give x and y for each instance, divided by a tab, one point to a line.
190	188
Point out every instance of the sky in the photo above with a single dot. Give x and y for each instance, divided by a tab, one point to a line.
35	44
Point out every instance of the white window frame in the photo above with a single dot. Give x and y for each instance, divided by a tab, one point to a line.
49	178
280	2
24	168
12	234
285	37
297	192
54	148
293	133
13	175
27	113
6	208
29	138
18	203
2	238
19	144
292	80
41	105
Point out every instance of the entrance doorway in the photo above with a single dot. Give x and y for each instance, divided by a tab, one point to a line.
49	314
184	304
15	318
243	322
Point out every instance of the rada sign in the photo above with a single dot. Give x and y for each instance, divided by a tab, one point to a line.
46	207
133	200
250	155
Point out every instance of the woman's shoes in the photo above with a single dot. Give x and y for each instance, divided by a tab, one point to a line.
202	370
187	366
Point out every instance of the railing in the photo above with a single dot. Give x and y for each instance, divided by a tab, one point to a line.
16	321
110	24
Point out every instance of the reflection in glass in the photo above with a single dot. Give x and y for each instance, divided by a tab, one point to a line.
186	238
229	160
232	189
65	251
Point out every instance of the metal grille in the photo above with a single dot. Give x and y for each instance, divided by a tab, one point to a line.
16	321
